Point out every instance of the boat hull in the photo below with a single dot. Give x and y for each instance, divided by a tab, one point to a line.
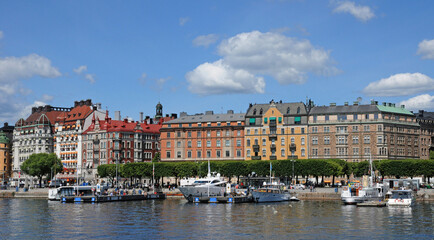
190	192
270	197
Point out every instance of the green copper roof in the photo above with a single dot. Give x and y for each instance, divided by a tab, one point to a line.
397	110
3	138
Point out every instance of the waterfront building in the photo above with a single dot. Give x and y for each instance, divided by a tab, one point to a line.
68	136
5	157
276	131
206	136
107	141
34	135
426	122
356	132
8	130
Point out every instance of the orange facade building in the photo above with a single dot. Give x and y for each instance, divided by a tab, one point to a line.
206	136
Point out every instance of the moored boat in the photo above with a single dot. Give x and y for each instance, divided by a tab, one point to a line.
271	193
401	198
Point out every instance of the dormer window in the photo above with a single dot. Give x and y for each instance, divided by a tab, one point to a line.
298	110
254	111
288	110
260	111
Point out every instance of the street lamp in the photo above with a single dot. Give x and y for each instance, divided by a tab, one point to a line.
293	161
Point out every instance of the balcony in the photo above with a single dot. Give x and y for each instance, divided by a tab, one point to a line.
255	148
273	146
256	157
273	157
272	136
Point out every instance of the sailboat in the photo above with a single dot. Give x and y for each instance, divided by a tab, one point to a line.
354	193
272	191
212	185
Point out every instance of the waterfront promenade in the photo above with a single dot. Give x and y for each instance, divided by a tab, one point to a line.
327	193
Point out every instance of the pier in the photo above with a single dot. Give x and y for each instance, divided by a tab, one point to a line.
115	198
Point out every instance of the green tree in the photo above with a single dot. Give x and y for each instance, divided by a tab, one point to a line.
41	164
156	158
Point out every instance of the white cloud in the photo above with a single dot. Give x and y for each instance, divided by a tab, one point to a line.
401	84
16	68
220	78
421	102
80	69
82	72
46	98
183	20
426	49
1	35
205	40
142	79
362	13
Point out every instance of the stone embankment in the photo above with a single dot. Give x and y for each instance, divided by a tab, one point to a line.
325	194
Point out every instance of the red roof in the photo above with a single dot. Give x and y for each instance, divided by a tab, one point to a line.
76	113
123	126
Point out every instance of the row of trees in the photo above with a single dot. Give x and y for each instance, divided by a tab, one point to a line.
280	168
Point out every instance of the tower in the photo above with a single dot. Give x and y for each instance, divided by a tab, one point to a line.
159	111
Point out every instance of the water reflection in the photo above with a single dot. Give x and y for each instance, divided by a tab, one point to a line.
170	219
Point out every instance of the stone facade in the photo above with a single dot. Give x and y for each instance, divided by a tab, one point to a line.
357	132
426	122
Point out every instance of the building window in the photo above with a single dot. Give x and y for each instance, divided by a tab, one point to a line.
302	141
355	128
366	128
168	134
208	134
199	154
218	133
168	144
256	131
238	143
248	152
189	154
314	140
282	152
292	140
167	154
327	151
379	139
228	143
264	142
189	134
178	134
355	116
367	151
355	140
292	130
282	141
264	153
248	142
326	117
208	154
248	132
327	140
218	143
238	153
208	143
199	134
367	139
314	129
199	143
228	154
282	131
366	116
189	144
314	152
178	144
238	133
263	131
178	154
218	153
355	151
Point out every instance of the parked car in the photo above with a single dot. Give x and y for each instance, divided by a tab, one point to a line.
300	187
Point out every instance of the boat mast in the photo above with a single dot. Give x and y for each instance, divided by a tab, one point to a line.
372	172
271	167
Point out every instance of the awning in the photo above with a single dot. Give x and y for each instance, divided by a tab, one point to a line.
252	120
272	118
297	119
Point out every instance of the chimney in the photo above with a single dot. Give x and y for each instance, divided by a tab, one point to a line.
118	115
421	113
345	103
88	102
174	116
141	117
182	114
209	112
355	103
385	104
332	104
402	106
230	111
75	103
34	109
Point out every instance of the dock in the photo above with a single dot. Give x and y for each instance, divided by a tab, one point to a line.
115	198
372	204
222	199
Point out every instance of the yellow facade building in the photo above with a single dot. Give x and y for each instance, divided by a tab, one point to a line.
276	131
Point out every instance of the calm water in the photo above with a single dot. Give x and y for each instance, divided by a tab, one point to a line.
177	219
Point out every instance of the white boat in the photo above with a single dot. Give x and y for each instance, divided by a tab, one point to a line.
401	198
212	185
55	194
271	193
354	193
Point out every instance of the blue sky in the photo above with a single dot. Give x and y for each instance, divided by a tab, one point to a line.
195	56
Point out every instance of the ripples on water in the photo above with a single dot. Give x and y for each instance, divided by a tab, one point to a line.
177	219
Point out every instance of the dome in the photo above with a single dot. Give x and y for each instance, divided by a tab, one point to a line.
3	138
159	105
43	120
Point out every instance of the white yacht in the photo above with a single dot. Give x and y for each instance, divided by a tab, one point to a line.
212	185
401	198
354	193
